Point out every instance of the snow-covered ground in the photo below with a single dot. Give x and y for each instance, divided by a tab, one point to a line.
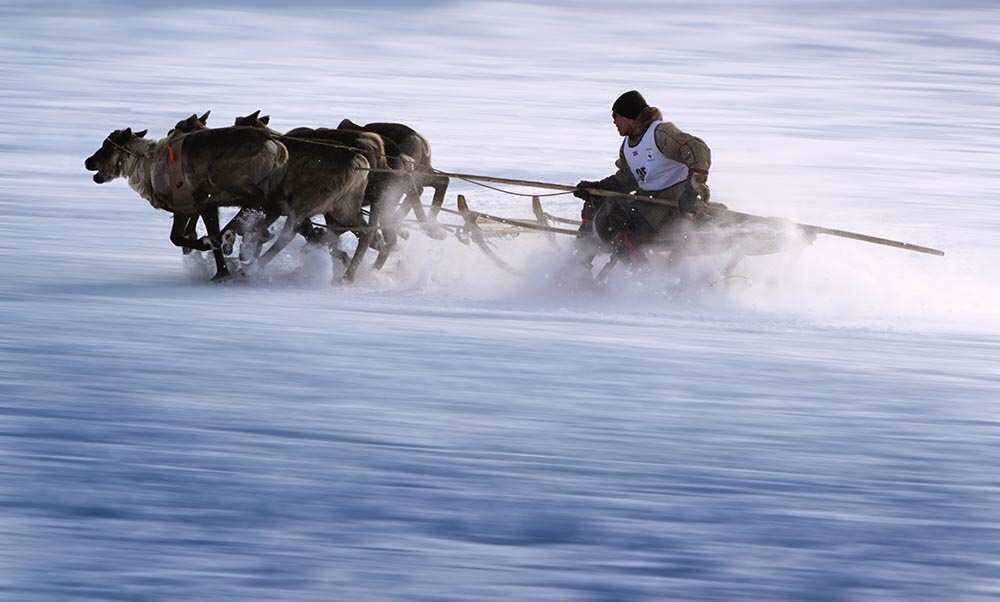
824	428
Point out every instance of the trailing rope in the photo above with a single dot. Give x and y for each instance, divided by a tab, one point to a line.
512	193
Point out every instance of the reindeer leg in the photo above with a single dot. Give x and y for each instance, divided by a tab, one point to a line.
429	223
210	217
232	227
354	220
291	227
387	225
333	238
403	209
412	201
382	218
253	229
364	241
389	215
191	232
382	257
179	234
440	186
311	233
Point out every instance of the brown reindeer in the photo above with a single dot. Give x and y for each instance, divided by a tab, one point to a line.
186	126
190	124
415	146
323	180
194	174
370	146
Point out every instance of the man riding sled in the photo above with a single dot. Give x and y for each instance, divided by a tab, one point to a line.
655	159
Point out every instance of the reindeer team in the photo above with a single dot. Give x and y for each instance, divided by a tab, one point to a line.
304	173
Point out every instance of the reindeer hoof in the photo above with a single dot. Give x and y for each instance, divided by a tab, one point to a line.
228	241
248	270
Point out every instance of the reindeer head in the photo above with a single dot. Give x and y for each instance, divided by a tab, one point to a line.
253	120
108	160
191	124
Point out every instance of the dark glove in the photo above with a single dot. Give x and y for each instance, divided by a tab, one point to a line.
704	194
695	197
587	213
583	194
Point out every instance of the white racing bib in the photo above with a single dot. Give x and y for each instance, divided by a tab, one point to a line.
651	169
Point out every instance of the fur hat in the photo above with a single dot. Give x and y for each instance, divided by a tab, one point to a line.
629	104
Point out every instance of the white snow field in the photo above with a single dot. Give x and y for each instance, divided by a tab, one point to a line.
825	427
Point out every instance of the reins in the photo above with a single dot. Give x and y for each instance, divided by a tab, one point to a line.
354	149
409	172
523	194
124	149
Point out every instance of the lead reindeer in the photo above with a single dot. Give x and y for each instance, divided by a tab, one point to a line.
192	175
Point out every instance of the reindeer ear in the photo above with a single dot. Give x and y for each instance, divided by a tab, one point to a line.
204	118
254	114
265	119
128	131
141	134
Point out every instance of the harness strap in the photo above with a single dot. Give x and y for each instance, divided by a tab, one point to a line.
181	196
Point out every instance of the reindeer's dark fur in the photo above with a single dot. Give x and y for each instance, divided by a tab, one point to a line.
380	155
190	124
238	162
365	144
415	146
189	230
384	189
327	179
372	146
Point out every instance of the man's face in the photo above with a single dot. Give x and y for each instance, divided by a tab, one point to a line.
624	124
